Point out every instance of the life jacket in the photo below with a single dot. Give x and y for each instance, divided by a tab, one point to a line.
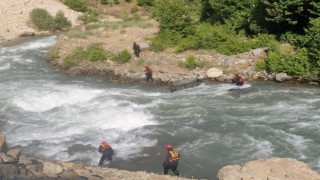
103	147
148	69
173	156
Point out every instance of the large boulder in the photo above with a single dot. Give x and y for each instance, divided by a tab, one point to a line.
281	77
269	169
214	73
3	144
183	84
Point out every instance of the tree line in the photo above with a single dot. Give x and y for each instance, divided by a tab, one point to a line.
232	26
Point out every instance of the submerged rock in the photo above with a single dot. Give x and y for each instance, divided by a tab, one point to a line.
183	84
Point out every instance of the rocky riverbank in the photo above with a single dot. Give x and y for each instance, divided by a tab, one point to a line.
15	165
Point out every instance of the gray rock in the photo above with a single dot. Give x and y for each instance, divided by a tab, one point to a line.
183	84
230	60
281	77
27	34
258	52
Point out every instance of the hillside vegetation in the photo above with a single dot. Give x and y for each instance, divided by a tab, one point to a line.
290	29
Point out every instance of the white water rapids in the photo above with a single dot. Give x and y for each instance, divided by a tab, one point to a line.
56	116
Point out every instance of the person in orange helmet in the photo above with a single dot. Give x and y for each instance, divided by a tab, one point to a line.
106	150
172	160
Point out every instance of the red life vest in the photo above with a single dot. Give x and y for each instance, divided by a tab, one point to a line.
103	147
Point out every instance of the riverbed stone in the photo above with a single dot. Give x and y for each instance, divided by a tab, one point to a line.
8	171
14	153
3	143
52	169
214	73
281	77
7	159
269	169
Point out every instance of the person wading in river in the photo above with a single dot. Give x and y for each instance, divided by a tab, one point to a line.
172	160
148	72
106	151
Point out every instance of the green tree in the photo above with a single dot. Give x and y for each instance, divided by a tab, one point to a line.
313	42
279	16
173	15
234	12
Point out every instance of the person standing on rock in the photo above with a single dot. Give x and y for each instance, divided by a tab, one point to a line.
106	150
136	49
238	80
172	160
148	72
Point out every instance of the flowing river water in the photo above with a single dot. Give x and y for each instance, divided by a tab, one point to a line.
56	116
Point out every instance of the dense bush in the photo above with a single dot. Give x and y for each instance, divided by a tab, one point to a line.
96	52
92	15
191	62
61	22
43	21
104	1
77	5
145	2
76	57
93	52
288	61
123	56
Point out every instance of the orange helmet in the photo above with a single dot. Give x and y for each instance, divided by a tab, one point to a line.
168	146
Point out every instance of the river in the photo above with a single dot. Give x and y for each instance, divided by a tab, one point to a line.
56	116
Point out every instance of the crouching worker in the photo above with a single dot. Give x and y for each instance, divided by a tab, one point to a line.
172	160
106	151
238	80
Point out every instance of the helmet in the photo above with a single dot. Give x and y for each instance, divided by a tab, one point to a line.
104	142
168	146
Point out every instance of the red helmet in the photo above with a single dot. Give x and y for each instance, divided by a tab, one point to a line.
168	146
104	142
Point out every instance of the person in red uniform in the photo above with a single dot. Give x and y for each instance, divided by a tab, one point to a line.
172	160
106	150
238	80
148	72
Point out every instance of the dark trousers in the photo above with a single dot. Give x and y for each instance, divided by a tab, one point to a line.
149	76
173	166
107	154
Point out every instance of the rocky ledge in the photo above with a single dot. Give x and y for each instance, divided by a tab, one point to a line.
13	165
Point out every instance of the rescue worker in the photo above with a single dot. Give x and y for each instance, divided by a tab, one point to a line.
106	151
238	80
172	160
136	49
148	72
